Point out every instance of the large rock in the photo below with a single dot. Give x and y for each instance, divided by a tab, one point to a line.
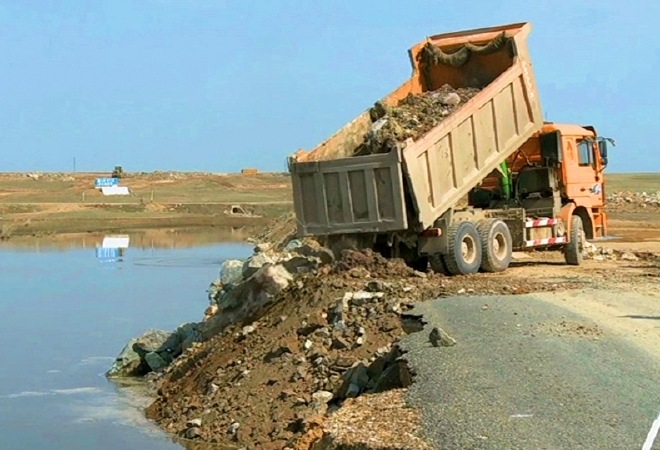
356	380
301	264
152	341
313	249
263	247
322	396
231	272
397	375
131	361
293	245
274	279
186	334
128	363
153	350
269	280
155	361
451	99
247	297
254	263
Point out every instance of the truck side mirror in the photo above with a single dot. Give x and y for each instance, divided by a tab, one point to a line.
602	147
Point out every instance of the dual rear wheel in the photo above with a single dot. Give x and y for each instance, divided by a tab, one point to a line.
486	246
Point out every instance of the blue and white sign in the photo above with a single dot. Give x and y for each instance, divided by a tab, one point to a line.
106	182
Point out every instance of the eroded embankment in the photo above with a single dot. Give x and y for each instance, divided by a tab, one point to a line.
292	335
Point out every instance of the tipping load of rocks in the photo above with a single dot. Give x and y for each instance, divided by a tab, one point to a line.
639	199
412	118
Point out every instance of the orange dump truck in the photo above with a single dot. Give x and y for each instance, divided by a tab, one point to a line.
487	179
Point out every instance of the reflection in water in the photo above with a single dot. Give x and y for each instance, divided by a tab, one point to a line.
112	248
139	239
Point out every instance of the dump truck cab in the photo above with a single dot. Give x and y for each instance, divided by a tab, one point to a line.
558	172
581	175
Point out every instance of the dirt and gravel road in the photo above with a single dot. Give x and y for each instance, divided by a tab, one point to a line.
558	370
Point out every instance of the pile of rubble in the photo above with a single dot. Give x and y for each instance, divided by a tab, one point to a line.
592	251
289	336
293	347
638	199
47	176
412	118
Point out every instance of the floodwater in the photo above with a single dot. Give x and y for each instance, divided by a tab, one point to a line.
66	310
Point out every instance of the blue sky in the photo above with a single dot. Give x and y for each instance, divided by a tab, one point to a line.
220	85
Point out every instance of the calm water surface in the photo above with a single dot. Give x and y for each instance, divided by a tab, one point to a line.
66	313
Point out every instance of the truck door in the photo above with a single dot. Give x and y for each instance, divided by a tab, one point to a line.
582	178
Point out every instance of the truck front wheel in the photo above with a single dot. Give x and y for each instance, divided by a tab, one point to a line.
496	245
464	249
573	250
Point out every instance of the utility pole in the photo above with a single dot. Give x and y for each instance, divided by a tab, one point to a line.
74	164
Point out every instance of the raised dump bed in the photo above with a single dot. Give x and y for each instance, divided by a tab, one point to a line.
365	179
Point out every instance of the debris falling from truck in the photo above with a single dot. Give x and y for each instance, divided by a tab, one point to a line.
412	118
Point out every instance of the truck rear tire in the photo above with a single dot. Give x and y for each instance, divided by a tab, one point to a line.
496	245
573	250
421	264
438	264
464	250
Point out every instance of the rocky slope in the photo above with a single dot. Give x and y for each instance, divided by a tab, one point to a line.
291	336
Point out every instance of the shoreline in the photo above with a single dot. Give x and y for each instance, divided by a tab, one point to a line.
54	203
44	227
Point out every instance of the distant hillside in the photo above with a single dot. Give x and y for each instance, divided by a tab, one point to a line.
636	182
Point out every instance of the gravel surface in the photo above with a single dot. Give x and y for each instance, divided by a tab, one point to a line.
377	421
526	374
